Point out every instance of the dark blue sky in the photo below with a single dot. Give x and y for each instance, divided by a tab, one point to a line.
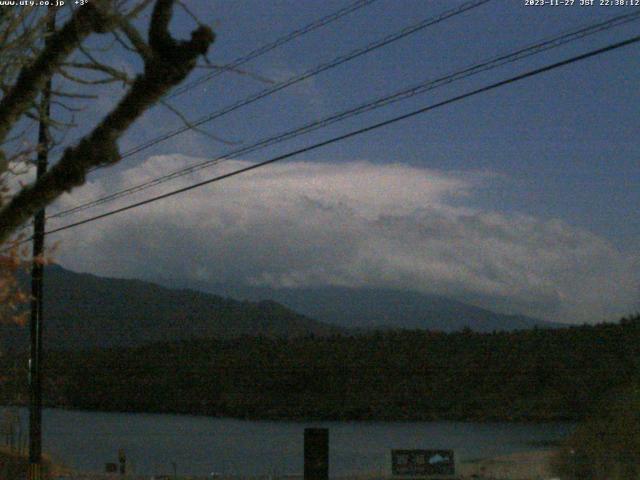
567	141
559	151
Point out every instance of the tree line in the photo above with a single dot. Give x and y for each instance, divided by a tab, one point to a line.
528	375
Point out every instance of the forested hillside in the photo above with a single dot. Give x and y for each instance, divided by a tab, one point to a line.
86	311
382	308
532	375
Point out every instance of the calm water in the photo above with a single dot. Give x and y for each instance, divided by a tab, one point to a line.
201	445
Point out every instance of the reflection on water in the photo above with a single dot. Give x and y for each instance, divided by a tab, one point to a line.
201	445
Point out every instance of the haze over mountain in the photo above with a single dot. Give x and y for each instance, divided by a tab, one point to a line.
86	311
366	308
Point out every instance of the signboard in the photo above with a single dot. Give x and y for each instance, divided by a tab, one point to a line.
422	463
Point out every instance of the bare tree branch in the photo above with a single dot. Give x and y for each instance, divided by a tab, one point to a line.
84	81
33	77
169	63
139	45
68	108
100	67
238	71
64	94
193	127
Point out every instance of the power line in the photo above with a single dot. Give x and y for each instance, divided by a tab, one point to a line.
273	45
354	133
311	73
318	23
383	101
469	5
246	58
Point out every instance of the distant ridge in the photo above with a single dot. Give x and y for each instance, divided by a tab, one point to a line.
366	308
86	311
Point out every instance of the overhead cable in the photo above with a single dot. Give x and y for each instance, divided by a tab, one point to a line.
273	45
405	32
354	133
397	96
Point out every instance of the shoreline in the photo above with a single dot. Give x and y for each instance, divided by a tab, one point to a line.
306	419
529	465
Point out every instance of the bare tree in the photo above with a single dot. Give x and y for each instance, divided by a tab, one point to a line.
165	62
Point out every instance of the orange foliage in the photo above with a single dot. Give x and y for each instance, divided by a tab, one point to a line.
13	258
12	296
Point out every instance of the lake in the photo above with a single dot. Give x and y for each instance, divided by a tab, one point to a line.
201	445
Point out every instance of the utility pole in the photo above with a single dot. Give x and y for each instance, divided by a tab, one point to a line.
35	359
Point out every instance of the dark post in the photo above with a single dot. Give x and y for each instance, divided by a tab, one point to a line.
316	454
35	360
122	460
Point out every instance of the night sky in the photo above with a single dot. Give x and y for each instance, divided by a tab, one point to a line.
523	199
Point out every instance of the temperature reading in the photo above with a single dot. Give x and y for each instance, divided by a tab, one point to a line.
81	2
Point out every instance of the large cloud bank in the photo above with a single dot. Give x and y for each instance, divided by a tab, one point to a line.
354	224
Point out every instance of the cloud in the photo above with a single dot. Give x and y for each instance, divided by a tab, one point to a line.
355	224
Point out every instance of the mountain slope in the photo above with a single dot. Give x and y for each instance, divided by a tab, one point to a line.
380	308
85	311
